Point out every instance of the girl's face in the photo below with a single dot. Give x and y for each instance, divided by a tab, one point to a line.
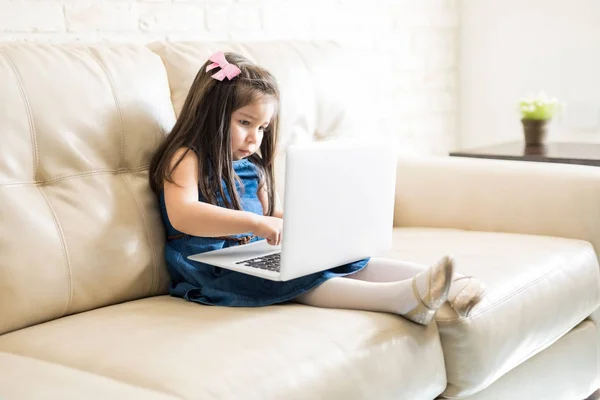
248	125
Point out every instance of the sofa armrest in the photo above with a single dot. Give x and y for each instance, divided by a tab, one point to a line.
501	196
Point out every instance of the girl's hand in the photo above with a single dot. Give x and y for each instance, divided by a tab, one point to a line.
269	228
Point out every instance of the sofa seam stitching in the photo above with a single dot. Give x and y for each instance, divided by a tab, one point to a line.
154	282
63	244
32	131
117	105
96	172
75	175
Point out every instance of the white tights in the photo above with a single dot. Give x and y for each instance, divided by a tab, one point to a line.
384	285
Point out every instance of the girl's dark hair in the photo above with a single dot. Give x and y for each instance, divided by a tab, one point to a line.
203	126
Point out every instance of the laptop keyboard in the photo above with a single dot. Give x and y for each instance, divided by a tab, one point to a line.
270	262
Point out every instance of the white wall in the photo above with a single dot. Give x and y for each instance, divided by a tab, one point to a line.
410	45
509	48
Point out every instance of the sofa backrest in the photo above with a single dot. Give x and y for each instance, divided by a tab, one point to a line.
79	225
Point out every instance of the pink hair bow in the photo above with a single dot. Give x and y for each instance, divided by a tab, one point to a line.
227	70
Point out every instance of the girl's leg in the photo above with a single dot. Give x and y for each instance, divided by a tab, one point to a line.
465	291
387	270
416	298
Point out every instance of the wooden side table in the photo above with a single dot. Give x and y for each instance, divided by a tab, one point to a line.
555	152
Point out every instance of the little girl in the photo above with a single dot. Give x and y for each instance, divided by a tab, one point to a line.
214	176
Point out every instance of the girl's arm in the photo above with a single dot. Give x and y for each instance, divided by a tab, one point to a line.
263	196
190	216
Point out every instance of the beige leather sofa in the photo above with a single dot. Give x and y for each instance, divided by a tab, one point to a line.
83	310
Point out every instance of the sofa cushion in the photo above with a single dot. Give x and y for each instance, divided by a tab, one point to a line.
28	378
288	351
80	225
567	369
538	288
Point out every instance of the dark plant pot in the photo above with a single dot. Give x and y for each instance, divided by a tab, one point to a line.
535	131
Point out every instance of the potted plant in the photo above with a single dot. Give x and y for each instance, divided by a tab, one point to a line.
536	113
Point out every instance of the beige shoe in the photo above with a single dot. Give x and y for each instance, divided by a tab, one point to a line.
465	293
439	279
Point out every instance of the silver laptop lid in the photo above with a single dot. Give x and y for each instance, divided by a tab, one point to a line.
338	204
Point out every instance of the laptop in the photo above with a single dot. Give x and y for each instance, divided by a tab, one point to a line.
338	208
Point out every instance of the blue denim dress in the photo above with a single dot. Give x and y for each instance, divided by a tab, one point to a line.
206	284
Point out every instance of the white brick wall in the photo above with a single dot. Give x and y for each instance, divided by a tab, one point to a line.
412	44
